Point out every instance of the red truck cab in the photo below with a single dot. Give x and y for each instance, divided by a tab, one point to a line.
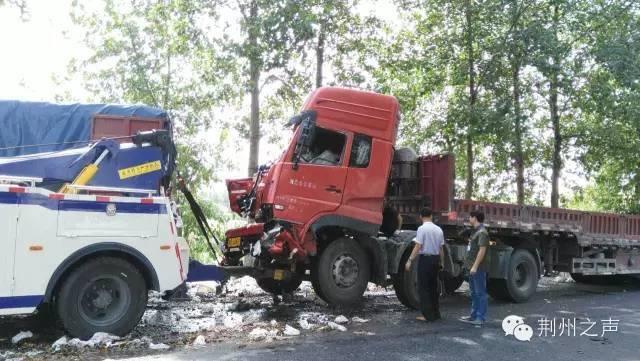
329	183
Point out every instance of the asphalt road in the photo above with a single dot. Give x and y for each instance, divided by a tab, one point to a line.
396	335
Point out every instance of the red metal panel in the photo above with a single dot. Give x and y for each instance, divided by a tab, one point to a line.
357	111
107	126
437	174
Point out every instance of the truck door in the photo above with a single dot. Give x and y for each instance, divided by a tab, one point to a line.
8	224
369	165
316	184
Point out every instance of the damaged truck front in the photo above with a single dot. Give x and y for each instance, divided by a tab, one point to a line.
316	212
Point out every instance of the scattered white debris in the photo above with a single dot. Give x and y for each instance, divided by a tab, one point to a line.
258	333
159	346
364	333
273	323
232	320
341	319
203	288
7	355
200	341
21	336
359	320
98	339
32	354
305	324
563	277
306	290
158	318
335	326
244	285
62	341
290	331
155	297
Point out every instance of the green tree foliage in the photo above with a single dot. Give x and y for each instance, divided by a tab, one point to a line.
515	89
610	102
147	52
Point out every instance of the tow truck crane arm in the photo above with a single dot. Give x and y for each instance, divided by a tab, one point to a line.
146	164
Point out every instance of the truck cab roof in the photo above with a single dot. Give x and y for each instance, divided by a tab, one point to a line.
358	111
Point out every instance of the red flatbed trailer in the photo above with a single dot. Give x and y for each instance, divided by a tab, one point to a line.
589	245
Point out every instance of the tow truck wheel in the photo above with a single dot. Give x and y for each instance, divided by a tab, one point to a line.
405	283
105	294
342	272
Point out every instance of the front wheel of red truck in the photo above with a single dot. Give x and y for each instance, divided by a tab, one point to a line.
341	273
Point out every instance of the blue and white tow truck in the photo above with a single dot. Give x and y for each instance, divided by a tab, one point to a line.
86	231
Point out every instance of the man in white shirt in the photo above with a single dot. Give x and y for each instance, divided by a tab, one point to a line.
429	245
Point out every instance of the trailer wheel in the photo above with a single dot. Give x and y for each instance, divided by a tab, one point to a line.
341	273
521	282
405	283
451	284
105	294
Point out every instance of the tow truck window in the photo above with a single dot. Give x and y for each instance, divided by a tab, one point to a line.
326	149
360	151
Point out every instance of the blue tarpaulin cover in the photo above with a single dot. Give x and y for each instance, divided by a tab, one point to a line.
35	123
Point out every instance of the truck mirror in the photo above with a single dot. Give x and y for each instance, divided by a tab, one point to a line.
307	122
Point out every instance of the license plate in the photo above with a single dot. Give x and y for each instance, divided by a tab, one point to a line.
233	242
278	275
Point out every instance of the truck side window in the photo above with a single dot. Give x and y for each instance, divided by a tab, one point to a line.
326	149
360	151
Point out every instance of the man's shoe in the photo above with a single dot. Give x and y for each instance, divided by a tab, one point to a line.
467	319
477	323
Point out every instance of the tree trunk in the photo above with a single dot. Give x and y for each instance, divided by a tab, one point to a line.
320	56
254	84
518	151
473	95
555	116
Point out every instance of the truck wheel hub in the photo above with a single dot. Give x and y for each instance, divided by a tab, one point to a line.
104	300
345	271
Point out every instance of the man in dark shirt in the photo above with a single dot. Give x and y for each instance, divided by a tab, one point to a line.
476	263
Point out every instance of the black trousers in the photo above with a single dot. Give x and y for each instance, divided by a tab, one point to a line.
428	267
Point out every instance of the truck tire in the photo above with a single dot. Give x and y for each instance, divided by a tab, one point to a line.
451	284
341	273
405	283
105	294
280	287
521	282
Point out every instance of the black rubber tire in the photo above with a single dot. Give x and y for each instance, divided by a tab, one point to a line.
280	287
313	276
512	289
405	283
71	293
497	289
322	273
451	284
